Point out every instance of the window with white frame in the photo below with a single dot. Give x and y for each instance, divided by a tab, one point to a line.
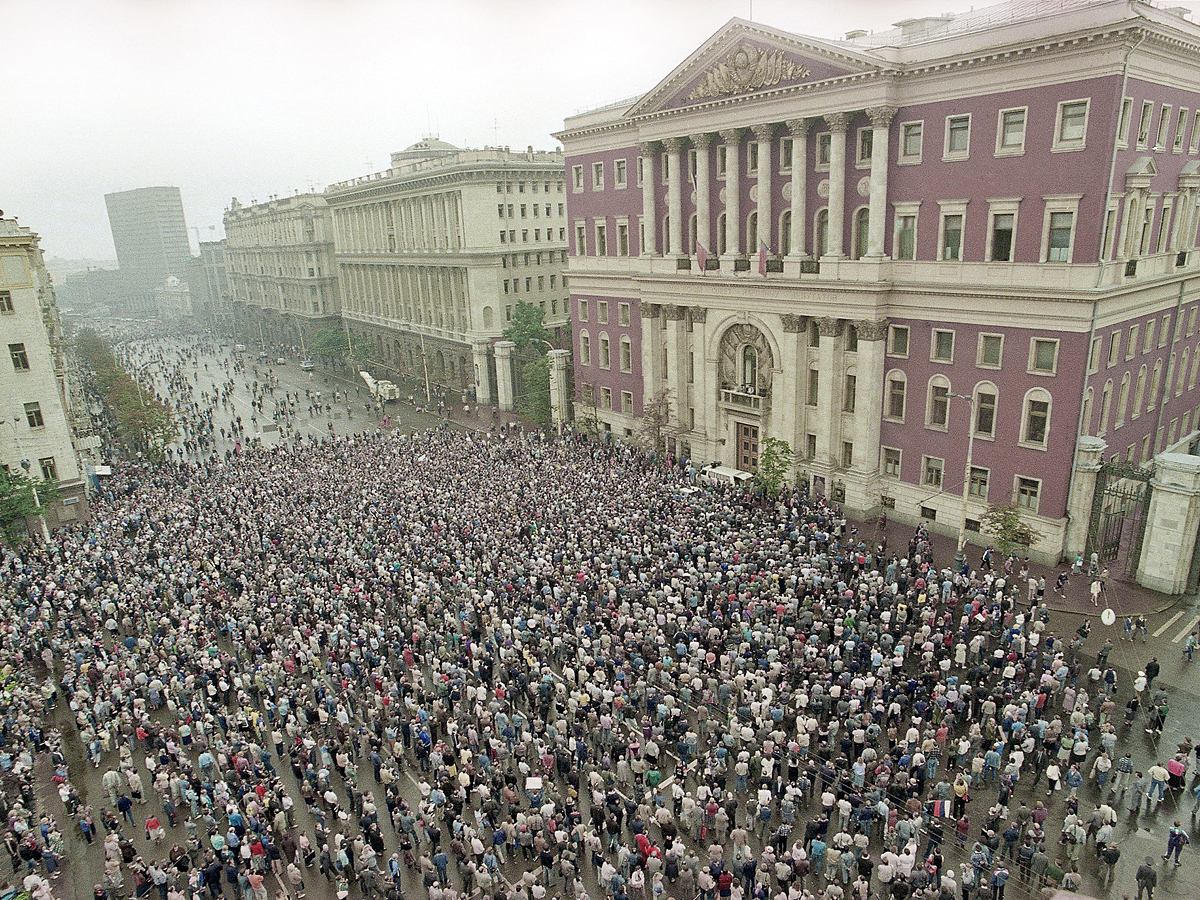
891	462
862	155
1035	420
977	482
824	149
602	312
1180	129
1124	123
1131	346
627	401
937	404
985	409
932	471
897	389
722	160
1143	135
577	178
585	349
1070	130
626	355
641	170
623	313
958	138
950	229
991	351
941	346
583	310
601	238
580	239
620	173
622	237
904	237
1002	229
1194	143
597	176
1043	356
1058	227
1010	132
911	134
898	341
786	148
1028	491
752	158
605	398
1164	121
605	353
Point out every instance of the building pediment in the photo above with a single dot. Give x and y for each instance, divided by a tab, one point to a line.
1141	173
744	58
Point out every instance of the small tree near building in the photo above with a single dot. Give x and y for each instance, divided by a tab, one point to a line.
775	460
654	427
17	503
1008	531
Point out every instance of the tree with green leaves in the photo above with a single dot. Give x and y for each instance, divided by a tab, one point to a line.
654	426
775	460
1007	528
17	501
329	343
534	400
527	327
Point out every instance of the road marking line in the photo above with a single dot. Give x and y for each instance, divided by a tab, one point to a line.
1186	631
1167	624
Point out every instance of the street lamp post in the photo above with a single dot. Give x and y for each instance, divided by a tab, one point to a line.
960	557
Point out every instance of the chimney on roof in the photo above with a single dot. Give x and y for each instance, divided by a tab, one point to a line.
855	34
913	28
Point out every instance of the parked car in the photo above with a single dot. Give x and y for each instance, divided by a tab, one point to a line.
307	365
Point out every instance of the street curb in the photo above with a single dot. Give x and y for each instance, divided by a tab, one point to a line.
1163	607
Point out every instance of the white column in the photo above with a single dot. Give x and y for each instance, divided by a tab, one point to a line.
764	135
837	182
649	152
675	184
799	130
560	395
703	144
483	383
651	349
733	181
676	379
828	381
504	381
868	398
881	120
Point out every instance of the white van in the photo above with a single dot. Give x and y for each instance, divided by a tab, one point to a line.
717	474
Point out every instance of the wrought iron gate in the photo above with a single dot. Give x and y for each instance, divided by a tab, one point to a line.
1118	521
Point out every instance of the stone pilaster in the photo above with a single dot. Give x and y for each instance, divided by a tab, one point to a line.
483	381
674	147
799	130
1089	456
504	375
868	411
703	144
838	123
649	151
733	182
764	134
881	120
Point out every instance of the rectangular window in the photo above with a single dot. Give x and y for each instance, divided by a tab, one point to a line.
601	240
1123	125
605	398
622	239
623	313
952	236
500	209
933	471
1164	330
814	334
1027	493
814	386
20	359
6	304
1002	236
598	176
585	350
1131	347
891	462
847	454
985	414
942	346
910	142
506	285
1072	125
641	169
1143	137
583	310
620	175
626	356
897	388
810	446
898	340
1164	120
1043	356
939	406
33	415
722	160
577	177
866	139
849	392
602	312
824	148
978	483
1010	138
752	158
1059	238
906	237
49	468
958	137
991	348
785	155
1194	143
580	240
1180	128
1148	337
605	353
1114	348
627	401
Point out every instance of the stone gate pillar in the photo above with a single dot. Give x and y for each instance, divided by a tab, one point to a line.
560	395
504	375
1089	455
1172	522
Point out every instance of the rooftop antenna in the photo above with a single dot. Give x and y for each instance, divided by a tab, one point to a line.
751	10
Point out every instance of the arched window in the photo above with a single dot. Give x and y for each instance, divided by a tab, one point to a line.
1122	401
488	317
986	397
1088	398
785	233
821	233
937	403
862	231
1139	394
752	233
605	360
749	368
1195	366
1035	420
585	349
897	390
721	242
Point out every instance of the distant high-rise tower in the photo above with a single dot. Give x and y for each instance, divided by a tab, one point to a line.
151	238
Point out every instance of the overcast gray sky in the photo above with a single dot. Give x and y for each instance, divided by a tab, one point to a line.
256	97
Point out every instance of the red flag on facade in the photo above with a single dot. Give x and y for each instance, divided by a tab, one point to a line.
701	257
762	257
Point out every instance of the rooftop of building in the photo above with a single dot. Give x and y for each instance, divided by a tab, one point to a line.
441	160
275	203
10	228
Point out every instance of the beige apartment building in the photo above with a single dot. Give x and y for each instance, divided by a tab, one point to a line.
434	254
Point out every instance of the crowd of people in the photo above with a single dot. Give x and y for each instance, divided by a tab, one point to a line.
517	667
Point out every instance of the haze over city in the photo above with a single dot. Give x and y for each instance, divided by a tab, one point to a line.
252	99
